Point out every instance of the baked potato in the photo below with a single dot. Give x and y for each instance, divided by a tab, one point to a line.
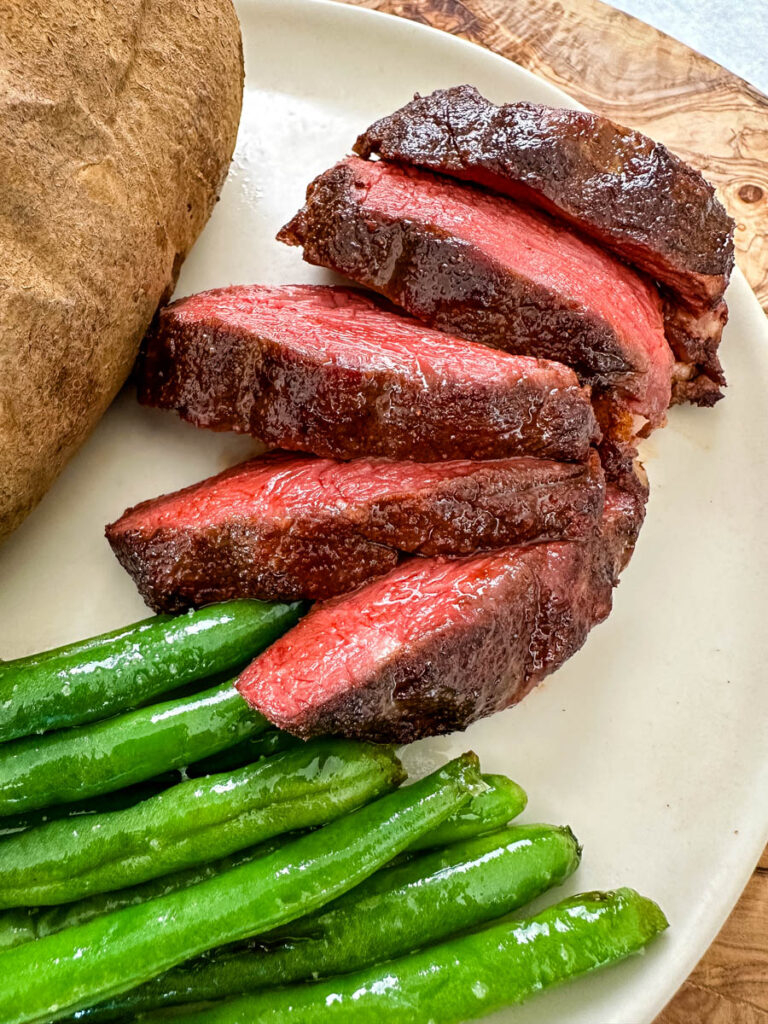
117	125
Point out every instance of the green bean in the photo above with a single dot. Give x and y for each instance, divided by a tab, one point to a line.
75	764
25	924
395	911
93	805
193	822
265	744
51	920
463	978
273	741
94	678
497	801
112	954
494	801
17	926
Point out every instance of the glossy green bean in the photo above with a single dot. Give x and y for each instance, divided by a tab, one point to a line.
493	803
464	978
93	805
273	741
194	822
112	954
127	667
265	744
25	924
17	926
75	764
397	910
497	801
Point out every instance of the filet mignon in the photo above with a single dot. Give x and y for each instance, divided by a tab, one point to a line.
287	526
439	643
326	370
617	185
493	270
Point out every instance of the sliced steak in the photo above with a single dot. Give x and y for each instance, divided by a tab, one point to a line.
439	643
326	370
492	270
285	526
623	517
694	338
622	188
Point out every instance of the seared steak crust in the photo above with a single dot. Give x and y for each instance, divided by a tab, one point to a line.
625	190
694	339
439	643
325	370
445	275
447	671
284	527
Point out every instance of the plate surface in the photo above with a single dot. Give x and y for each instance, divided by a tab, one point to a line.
653	741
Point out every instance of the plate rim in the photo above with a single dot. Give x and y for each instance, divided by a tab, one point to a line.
648	986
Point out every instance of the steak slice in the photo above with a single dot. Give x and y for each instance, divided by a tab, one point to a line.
439	643
617	185
286	526
326	370
694	339
492	270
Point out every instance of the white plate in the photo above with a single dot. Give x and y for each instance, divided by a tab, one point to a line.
653	741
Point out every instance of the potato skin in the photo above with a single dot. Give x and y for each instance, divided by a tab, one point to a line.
117	125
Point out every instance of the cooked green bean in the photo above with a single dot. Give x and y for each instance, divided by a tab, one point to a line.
112	954
93	805
194	822
25	924
493	802
75	764
17	926
265	744
463	978
51	920
94	678
395	911
497	801
273	741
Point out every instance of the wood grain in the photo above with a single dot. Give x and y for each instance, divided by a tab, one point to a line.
730	984
621	67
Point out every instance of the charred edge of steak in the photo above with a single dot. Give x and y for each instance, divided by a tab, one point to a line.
623	518
223	378
443	687
695	339
506	640
417	267
324	551
603	177
618	445
698	376
699	390
468	671
179	569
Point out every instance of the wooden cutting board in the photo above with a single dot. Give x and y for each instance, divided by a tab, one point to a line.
621	67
